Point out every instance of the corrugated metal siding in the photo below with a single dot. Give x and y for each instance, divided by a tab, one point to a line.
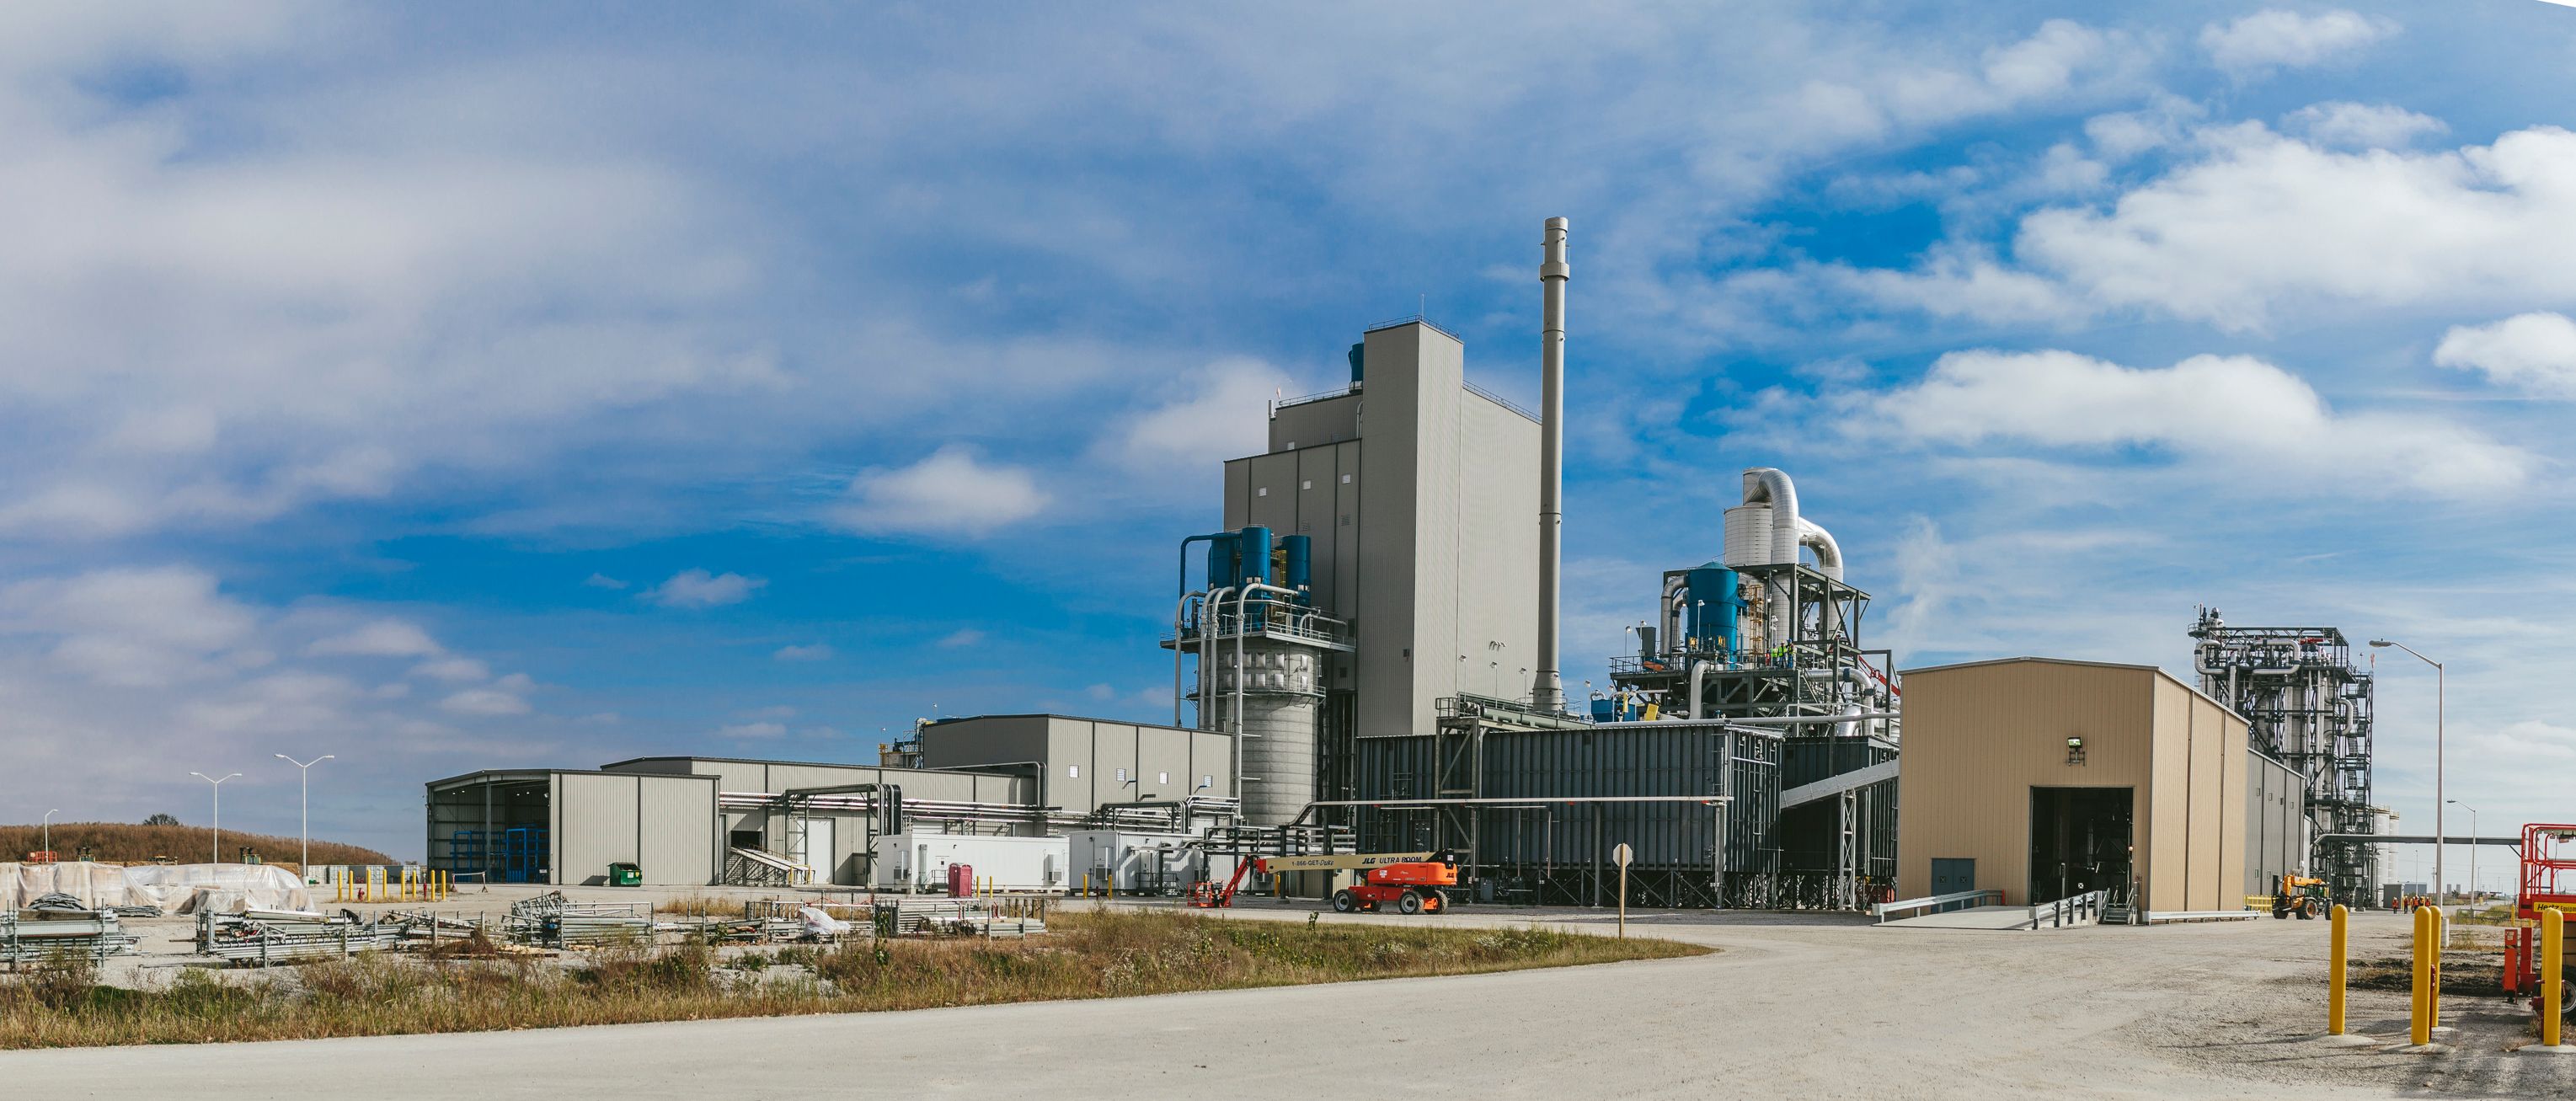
596	825
1572	764
2275	817
678	841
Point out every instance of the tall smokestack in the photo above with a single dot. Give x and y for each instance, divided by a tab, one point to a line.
1547	692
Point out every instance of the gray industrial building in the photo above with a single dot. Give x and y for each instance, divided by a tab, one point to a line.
703	820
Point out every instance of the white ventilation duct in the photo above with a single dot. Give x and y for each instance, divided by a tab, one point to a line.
1829	554
1770	488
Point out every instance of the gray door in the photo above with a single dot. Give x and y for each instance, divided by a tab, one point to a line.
1951	875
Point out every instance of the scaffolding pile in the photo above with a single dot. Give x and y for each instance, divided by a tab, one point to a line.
38	936
2308	706
262	938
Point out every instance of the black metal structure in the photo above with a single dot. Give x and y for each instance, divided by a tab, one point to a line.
2306	704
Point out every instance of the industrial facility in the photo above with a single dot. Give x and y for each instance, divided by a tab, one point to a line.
1365	661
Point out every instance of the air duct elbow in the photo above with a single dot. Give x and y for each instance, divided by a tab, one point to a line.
1829	554
1769	486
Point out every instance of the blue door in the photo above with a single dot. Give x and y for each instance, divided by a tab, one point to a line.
1951	875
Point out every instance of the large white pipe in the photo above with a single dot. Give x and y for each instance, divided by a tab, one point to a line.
1829	554
1547	691
1768	486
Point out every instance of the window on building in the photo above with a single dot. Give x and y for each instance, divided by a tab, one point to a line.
1346	479
1074	771
1262	492
1162	777
1307	484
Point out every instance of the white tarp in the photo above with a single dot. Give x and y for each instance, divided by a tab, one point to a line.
175	888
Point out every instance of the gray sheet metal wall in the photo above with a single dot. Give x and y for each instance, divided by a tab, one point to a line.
667	825
2275	822
1683	759
1081	758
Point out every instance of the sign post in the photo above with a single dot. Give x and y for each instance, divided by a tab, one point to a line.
1621	856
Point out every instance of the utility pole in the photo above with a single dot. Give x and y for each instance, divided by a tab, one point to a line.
2441	692
304	858
218	850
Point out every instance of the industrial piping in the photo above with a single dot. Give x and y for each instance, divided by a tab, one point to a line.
1769	486
1547	691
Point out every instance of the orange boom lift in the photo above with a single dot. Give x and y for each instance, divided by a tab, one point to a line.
1413	883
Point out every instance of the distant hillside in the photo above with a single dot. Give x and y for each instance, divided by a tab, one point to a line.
124	843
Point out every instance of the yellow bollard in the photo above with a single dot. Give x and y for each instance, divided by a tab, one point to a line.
2553	976
2420	1020
2334	971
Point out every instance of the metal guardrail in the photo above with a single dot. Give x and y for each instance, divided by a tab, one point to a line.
1883	909
1498	399
2083	909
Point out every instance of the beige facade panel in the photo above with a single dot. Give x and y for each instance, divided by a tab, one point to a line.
1981	738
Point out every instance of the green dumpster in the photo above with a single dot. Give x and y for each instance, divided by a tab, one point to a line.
622	874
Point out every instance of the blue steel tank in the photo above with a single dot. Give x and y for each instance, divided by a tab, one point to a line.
1301	566
1221	573
1252	552
1715	607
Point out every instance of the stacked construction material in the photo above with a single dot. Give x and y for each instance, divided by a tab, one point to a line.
550	919
165	888
263	937
34	936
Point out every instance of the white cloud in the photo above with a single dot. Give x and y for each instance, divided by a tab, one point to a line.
2232	410
1222	418
2283	39
2361	125
453	669
2266	223
751	730
773	711
949	493
507	696
603	581
384	638
695	588
962	637
820	651
2534	352
131	627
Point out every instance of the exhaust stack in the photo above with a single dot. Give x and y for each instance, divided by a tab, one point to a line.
1547	691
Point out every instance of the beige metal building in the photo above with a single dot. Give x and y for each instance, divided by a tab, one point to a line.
2046	778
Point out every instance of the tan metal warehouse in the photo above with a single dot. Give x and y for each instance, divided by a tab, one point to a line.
2044	778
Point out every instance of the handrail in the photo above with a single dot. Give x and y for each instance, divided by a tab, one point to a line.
2070	909
1885	908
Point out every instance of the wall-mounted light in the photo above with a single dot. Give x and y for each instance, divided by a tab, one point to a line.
2074	751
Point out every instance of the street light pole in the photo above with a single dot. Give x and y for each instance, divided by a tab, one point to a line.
304	858
218	852
2441	692
49	835
2473	848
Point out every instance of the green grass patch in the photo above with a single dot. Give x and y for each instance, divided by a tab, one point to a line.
1093	954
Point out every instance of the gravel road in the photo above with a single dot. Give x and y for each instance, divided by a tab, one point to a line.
1792	1007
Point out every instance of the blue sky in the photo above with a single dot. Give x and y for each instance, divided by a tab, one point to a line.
448	387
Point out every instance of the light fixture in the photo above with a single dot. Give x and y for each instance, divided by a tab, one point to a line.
2075	750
